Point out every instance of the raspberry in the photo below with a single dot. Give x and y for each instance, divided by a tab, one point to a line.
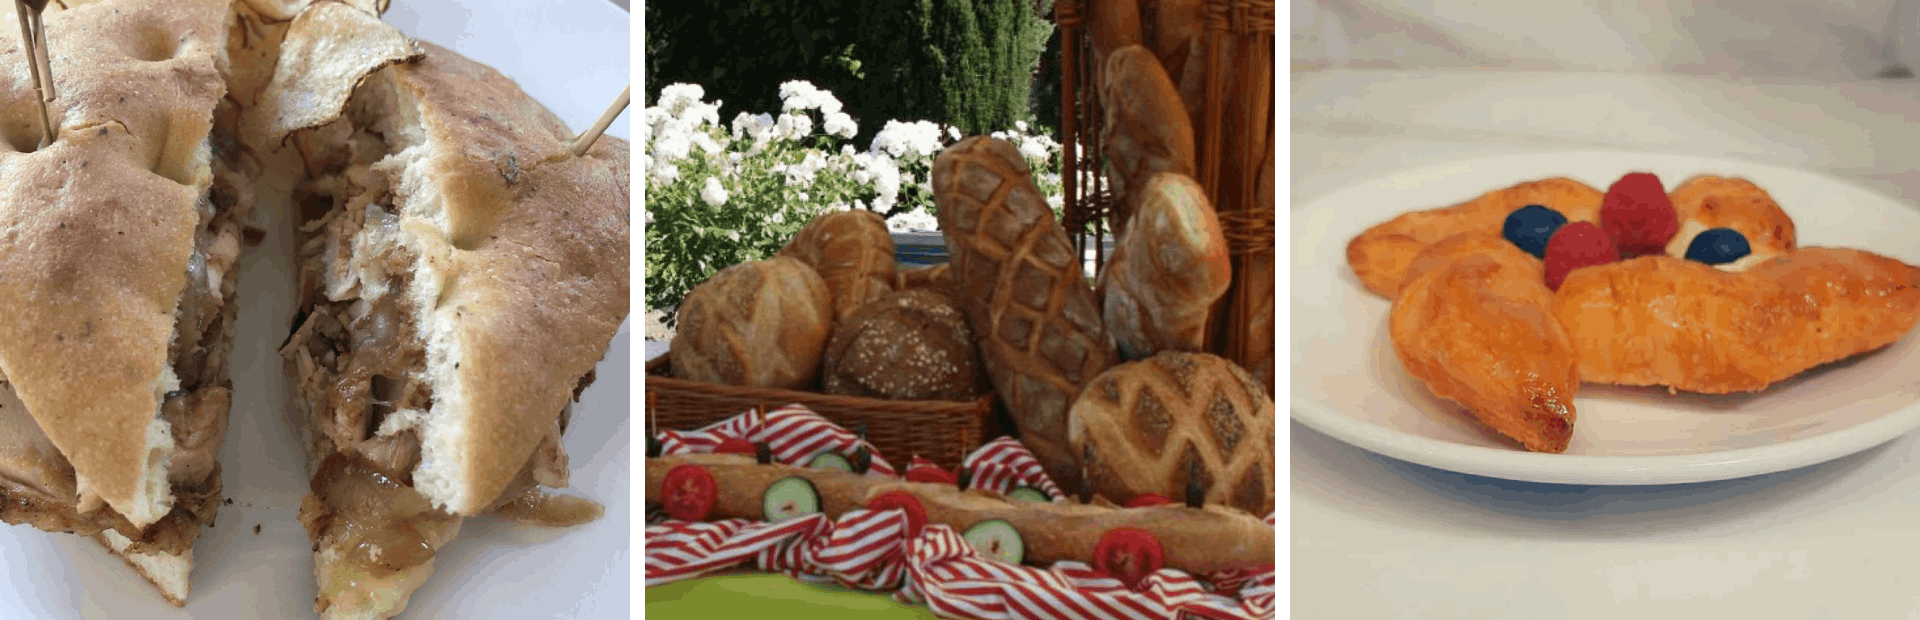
1576	245
1638	215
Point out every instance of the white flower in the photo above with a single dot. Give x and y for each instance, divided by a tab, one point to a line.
953	132
699	114
797	95
800	127
1020	125
1033	149
676	97
783	127
886	181
846	150
839	124
778	217
733	235
664	171
706	143
647	217
804	197
672	146
862	177
713	193
917	219
1000	135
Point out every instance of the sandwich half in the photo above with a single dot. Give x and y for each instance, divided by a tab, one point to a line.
460	275
117	246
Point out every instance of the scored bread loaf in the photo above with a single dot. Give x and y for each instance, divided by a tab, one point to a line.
1143	426
1164	277
909	345
852	252
1146	129
758	324
1023	291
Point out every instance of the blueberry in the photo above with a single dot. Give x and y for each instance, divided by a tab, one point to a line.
1531	226
1717	246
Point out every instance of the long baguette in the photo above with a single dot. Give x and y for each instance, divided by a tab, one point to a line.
1196	540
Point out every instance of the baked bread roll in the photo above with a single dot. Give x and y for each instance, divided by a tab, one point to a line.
852	252
1173	29
910	345
1021	285
758	324
931	277
1165	276
1141	427
1146	129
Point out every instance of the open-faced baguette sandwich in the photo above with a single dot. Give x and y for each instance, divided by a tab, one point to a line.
117	245
461	274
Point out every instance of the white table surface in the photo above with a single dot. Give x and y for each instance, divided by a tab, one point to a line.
1373	537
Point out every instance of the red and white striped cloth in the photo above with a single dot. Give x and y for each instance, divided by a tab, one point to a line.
867	550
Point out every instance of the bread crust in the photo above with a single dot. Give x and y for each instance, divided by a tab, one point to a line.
1199	540
1041	334
852	252
532	257
759	324
910	345
1140	426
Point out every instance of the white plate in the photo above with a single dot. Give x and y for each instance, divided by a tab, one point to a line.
1348	383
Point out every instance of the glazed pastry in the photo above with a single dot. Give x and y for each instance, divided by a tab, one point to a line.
1659	320
1474	323
1709	202
1380	256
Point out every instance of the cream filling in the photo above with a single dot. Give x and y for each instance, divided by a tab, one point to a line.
1689	229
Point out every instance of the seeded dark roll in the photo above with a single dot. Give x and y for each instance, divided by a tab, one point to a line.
912	345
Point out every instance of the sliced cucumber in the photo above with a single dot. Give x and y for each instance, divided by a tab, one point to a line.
830	460
996	539
789	497
1028	494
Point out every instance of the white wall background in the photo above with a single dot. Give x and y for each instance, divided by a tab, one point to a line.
1828	40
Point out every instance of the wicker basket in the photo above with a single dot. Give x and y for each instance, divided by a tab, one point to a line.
1234	139
941	431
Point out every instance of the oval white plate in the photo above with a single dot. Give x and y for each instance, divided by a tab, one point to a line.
1348	383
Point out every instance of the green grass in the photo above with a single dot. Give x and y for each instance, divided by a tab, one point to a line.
770	597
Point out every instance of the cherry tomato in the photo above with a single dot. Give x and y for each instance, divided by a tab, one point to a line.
1128	554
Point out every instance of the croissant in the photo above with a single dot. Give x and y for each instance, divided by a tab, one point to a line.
1658	320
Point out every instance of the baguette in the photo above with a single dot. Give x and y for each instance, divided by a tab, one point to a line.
1146	130
1197	540
1112	25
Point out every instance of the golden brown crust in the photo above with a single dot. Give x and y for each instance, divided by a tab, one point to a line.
1212	538
1476	326
1380	256
1658	320
327	51
1146	130
1140	426
1709	202
852	252
1165	276
111	208
760	324
535	264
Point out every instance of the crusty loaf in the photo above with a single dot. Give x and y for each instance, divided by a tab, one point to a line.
852	252
910	345
760	324
1167	273
1140	427
1173	29
1041	335
1146	130
1111	25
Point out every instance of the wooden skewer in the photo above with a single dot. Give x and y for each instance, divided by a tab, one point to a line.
586	138
33	35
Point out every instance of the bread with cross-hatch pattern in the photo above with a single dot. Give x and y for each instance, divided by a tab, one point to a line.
1147	426
852	252
758	324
